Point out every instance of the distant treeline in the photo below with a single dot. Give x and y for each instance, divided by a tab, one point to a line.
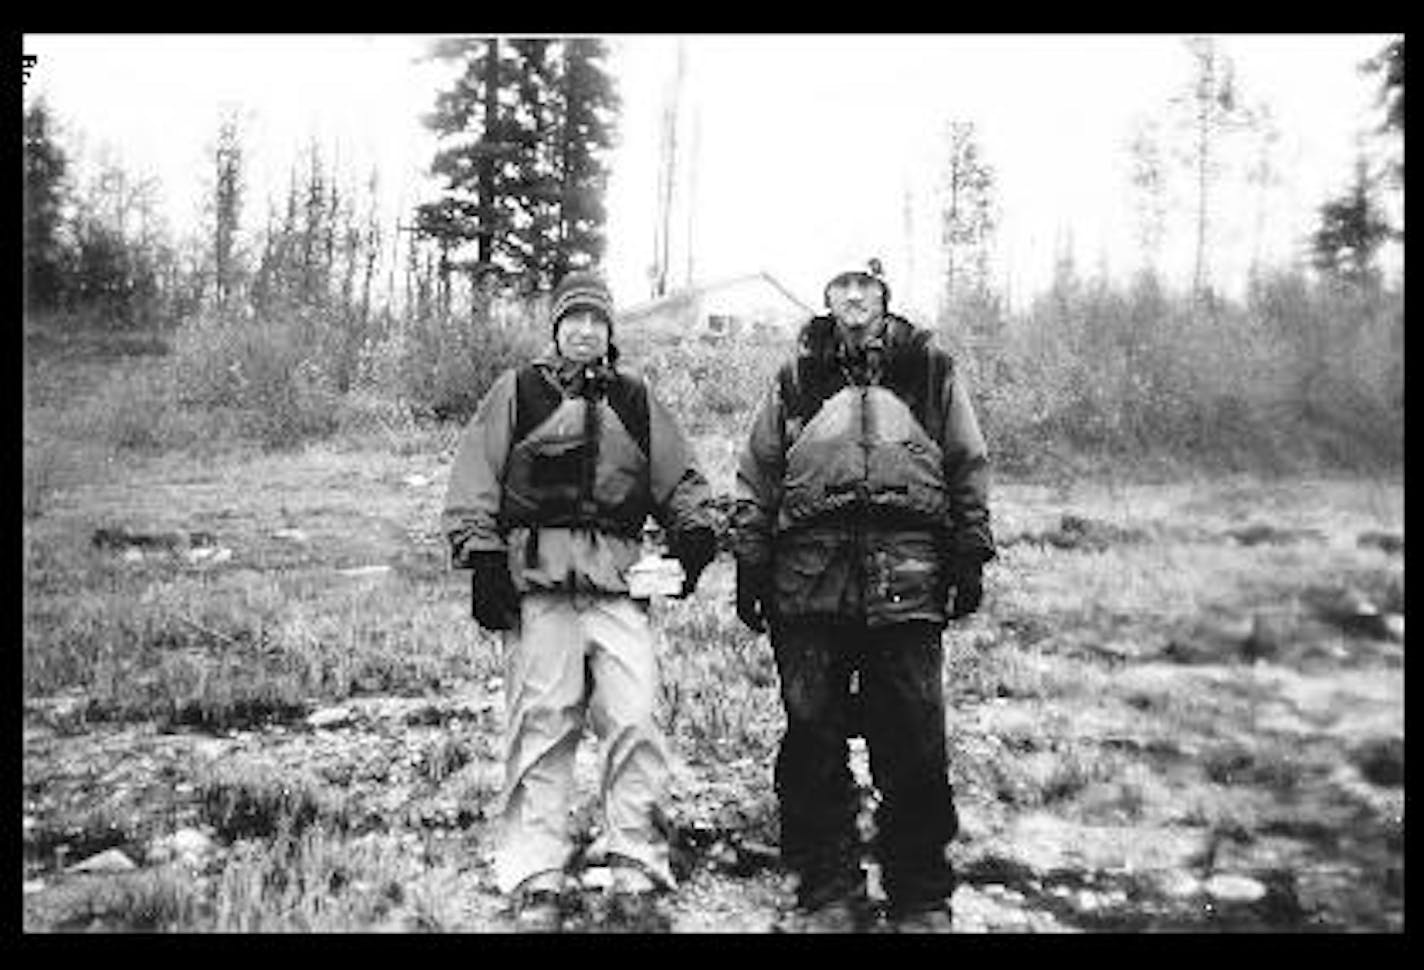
324	316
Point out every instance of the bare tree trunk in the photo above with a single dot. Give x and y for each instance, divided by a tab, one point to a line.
667	179
485	236
691	200
1203	182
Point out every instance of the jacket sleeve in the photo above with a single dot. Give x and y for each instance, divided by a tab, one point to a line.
966	473
760	468
472	495
682	499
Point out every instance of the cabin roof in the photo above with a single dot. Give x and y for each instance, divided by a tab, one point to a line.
692	292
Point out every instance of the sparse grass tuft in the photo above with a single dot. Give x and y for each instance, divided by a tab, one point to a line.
318	882
147	901
246	800
443	757
719	688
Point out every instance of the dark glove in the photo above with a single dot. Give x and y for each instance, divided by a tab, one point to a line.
494	600
695	550
967	579
753	595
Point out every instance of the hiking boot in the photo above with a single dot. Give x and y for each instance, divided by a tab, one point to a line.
631	880
836	916
935	918
538	904
633	900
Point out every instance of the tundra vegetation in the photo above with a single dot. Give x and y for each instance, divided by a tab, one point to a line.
250	671
254	698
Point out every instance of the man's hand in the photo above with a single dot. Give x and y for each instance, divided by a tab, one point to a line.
968	582
753	595
695	550
494	600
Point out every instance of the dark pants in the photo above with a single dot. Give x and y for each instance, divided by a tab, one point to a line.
899	710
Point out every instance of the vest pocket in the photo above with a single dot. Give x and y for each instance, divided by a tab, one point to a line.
556	465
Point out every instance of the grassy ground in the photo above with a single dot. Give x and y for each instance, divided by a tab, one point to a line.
1181	708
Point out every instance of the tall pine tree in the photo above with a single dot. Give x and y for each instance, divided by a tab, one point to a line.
1351	230
46	192
475	159
524	130
532	122
590	113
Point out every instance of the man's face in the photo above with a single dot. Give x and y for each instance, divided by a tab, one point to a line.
857	302
582	336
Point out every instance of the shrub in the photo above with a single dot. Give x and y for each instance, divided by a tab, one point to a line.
711	387
442	366
1301	372
271	372
254	800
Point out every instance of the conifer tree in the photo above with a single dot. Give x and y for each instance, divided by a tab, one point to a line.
590	111
476	159
523	132
45	195
1351	230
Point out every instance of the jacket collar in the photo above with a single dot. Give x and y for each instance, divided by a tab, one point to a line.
821	341
576	378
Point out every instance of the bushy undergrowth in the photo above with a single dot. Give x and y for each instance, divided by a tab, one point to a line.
1300	375
289	378
442	366
271	372
711	387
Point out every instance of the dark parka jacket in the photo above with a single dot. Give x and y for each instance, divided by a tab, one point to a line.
882	551
639	464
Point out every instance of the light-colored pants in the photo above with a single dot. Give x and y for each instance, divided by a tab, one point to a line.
578	655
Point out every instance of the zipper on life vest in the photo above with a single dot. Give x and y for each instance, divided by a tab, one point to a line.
862	507
587	510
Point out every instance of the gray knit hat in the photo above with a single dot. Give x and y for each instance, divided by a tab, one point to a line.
581	290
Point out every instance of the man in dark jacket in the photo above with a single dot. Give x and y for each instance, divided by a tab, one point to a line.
553	481
861	528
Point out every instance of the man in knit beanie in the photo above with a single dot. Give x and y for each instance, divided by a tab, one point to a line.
581	290
552	484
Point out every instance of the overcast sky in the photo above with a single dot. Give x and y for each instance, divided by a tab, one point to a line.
807	147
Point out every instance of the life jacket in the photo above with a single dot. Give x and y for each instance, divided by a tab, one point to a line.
864	435
578	458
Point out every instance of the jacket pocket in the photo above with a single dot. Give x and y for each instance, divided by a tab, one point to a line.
809	575
904	577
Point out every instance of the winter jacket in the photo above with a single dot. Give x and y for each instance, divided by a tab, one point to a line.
559	469
891	493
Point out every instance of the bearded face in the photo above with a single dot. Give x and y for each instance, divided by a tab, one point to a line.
857	301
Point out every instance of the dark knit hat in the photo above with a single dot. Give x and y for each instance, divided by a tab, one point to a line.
581	290
873	271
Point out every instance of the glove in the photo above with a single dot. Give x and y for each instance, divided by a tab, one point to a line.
695	550
494	600
753	595
968	581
